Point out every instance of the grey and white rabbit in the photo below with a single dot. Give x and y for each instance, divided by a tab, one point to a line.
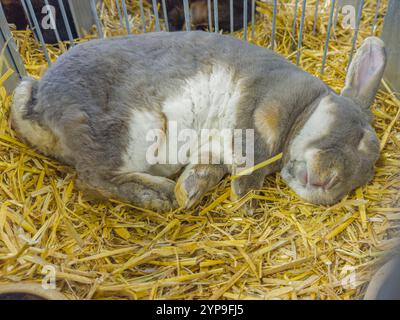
93	108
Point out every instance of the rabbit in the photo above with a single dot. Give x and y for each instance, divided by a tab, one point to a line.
199	14
95	105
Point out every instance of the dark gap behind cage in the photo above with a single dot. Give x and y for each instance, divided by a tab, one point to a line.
199	14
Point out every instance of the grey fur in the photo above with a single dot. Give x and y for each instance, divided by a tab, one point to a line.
85	100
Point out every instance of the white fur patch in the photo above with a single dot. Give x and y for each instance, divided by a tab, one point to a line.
205	101
140	123
317	126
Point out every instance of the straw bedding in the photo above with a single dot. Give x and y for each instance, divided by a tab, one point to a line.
287	249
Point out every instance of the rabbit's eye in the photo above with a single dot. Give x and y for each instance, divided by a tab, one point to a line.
290	168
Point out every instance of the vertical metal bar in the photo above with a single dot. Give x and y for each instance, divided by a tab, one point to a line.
142	15
245	20
187	14
11	46
155	10
210	23
119	13
354	41
128	27
316	16
378	5
165	13
328	35
81	16
231	17
273	25
27	15
38	30
391	36
335	19
96	18
294	25
253	17
300	41
53	21
66	22
216	23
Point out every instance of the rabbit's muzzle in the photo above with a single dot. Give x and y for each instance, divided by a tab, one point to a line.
318	178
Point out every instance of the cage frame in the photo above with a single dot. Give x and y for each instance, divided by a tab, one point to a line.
85	16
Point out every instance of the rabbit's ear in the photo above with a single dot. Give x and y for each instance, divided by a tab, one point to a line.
365	72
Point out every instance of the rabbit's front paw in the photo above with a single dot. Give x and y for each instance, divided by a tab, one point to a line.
160	198
195	182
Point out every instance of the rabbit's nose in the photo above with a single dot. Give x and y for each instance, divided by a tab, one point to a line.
326	183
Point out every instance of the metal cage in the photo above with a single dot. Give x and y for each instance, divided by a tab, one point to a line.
85	16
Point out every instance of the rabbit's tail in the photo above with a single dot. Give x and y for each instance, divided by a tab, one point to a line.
26	121
24	100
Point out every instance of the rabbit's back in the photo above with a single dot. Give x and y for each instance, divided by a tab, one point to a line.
148	68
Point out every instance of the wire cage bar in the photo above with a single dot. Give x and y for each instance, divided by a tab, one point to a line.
245	20
294	23
273	33
38	30
127	26
156	16
328	35
391	37
300	41
96	17
159	11
142	16
119	12
253	17
10	51
187	14
216	21
165	15
66	22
